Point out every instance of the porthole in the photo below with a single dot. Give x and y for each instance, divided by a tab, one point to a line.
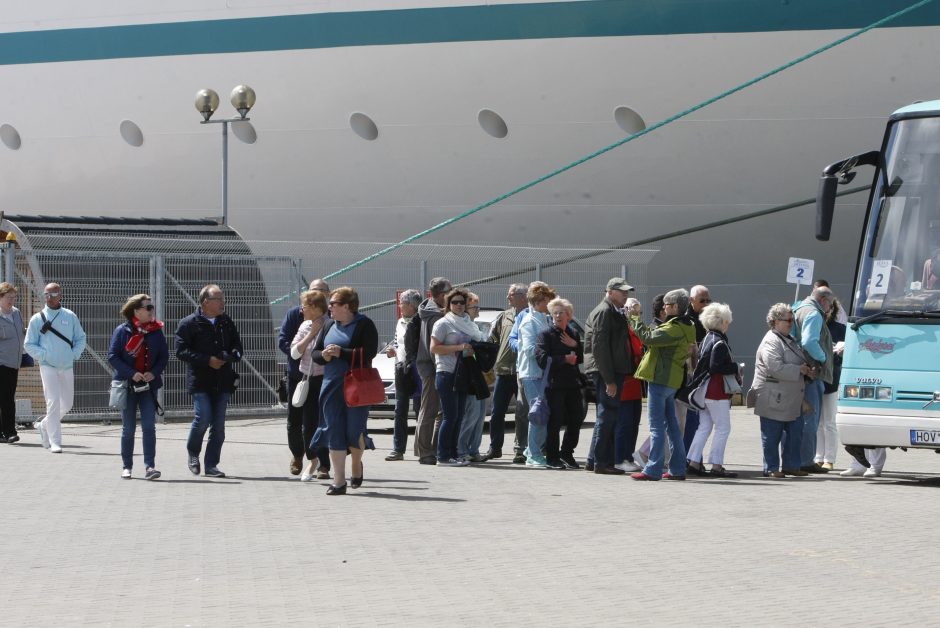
363	126
492	123
132	133
629	120
10	137
245	131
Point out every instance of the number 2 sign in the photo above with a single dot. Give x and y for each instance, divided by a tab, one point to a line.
800	271
880	275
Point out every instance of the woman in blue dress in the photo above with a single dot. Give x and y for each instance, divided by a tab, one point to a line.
343	428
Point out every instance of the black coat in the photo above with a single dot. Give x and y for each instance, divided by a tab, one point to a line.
365	337
549	345
197	339
468	377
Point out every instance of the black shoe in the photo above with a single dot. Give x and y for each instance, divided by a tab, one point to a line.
395	455
569	461
13	439
558	465
355	482
814	468
427	460
492	454
194	464
518	459
214	472
610	471
336	490
859	454
589	466
699	471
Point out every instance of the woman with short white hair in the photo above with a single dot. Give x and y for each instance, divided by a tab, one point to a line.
715	363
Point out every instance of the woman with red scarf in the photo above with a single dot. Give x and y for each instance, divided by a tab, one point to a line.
138	353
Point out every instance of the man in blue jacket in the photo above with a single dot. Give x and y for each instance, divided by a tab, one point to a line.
809	329
295	416
208	342
55	339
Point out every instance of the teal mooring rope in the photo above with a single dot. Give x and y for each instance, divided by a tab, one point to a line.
629	138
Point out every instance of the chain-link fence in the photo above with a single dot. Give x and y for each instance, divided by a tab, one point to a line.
99	266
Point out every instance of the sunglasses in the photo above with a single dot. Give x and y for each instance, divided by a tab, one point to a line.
149	307
704	300
336	303
51	295
455	302
785	320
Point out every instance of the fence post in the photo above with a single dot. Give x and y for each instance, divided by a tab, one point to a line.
623	271
9	261
538	272
424	276
158	296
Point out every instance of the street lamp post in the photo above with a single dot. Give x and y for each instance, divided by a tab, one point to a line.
207	101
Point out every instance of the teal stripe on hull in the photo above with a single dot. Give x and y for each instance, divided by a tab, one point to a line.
586	18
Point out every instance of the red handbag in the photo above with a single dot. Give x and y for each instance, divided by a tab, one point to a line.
362	386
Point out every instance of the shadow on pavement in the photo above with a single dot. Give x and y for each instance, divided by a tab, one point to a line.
218	481
405	498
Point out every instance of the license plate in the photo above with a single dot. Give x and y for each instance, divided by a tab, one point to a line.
925	437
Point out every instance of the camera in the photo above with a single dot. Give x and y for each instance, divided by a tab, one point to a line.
140	387
45	327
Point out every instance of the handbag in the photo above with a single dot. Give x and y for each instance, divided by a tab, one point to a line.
732	385
282	388
118	397
539	412
362	386
694	397
300	392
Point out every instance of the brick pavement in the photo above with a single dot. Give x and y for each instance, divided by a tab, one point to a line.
493	544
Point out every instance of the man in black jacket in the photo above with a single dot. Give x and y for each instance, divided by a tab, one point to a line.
208	342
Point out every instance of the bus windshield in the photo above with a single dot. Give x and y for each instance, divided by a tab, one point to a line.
900	264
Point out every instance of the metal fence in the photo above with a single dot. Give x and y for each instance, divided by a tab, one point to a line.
261	281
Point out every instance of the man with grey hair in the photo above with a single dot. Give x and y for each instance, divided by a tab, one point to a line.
208	342
608	358
405	374
809	329
295	416
506	385
429	312
699	297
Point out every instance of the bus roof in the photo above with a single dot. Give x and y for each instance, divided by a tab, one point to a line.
917	109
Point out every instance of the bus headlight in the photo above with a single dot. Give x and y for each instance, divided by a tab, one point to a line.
883	393
850	392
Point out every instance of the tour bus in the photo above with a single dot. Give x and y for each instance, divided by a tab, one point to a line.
889	395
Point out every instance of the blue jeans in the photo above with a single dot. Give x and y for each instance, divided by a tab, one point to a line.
148	407
812	394
209	411
663	423
605	425
627	429
537	433
471	427
452	407
503	393
771	432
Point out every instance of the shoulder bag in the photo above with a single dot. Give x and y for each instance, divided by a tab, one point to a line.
118	398
300	392
362	386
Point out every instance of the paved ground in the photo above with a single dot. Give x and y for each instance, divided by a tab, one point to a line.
493	544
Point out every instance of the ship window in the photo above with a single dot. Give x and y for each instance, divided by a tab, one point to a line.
492	123
10	137
363	126
629	120
245	131
132	133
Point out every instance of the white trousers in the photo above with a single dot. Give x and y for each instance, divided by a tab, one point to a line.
875	457
717	414
58	387
827	436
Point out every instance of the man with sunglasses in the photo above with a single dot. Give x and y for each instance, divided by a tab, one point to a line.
55	339
208	342
699	297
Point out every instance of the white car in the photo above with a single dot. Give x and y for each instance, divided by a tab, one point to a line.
386	367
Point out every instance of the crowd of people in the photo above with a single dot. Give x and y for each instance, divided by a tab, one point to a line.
682	363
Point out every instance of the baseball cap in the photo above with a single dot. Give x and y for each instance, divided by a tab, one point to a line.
619	283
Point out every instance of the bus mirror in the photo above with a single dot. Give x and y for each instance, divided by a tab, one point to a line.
825	205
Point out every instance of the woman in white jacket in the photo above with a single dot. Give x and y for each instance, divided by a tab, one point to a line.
313	304
777	393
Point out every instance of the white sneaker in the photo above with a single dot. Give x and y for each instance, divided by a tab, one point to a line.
853	472
638	460
43	435
627	467
56	449
126	474
872	472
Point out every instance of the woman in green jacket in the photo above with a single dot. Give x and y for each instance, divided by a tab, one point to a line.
663	367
